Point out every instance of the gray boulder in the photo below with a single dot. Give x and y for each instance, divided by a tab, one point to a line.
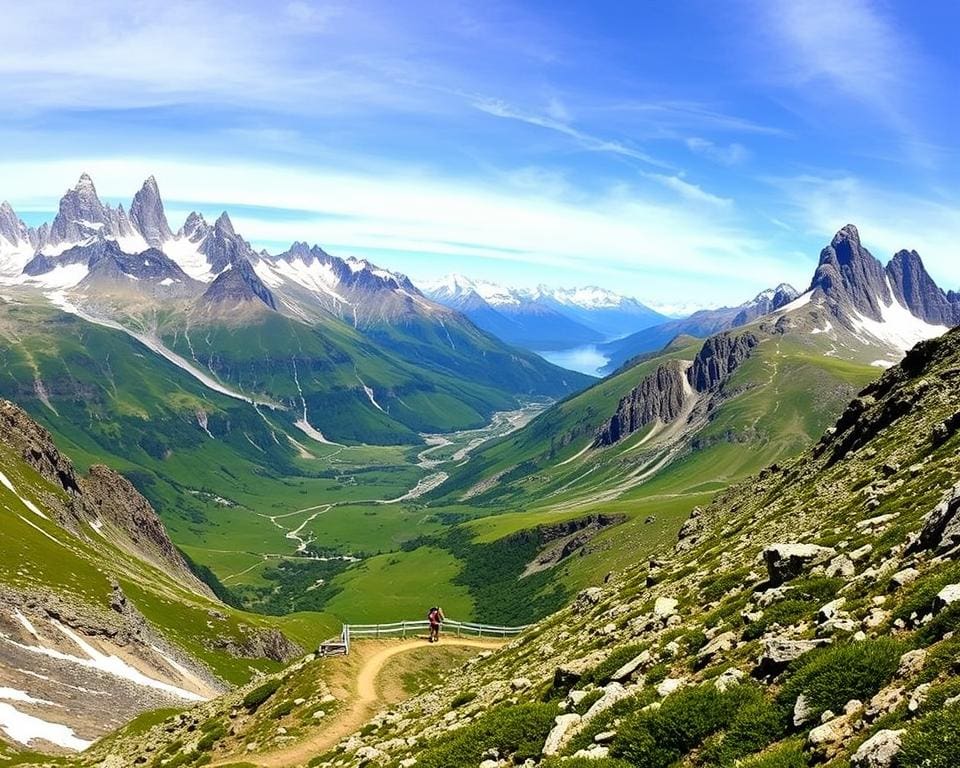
879	751
778	652
941	528
787	561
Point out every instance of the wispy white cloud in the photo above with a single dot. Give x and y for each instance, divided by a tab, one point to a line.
691	193
853	49
679	115
888	220
725	154
499	108
625	234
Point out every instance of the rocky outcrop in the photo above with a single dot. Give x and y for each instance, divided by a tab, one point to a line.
262	644
915	289
659	397
941	528
102	498
787	561
720	356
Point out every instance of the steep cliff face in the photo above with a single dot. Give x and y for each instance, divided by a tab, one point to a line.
662	395
658	397
103	499
721	356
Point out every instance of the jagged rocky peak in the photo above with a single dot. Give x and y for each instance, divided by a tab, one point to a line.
148	216
849	274
80	215
915	289
224	224
305	252
12	229
239	284
764	303
195	228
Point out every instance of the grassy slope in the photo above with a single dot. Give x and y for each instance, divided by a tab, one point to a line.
42	557
889	451
784	396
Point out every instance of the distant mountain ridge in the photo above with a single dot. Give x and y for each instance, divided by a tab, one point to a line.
543	318
701	324
303	328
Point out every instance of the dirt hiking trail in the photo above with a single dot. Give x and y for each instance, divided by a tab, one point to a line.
362	700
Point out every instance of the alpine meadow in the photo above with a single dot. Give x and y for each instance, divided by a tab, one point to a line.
479	385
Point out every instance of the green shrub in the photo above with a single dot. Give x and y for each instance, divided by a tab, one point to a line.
584	762
588	701
715	588
918	597
695	640
658	738
260	694
211	736
605	720
946	621
787	755
934	742
517	730
755	725
463	699
830	677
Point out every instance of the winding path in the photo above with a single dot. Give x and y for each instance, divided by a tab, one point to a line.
358	710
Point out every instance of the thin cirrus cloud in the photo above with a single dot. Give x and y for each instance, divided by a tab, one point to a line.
497	138
623	233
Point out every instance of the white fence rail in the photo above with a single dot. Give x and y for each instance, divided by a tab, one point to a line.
450	627
341	646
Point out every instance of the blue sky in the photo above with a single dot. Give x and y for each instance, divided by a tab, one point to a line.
687	152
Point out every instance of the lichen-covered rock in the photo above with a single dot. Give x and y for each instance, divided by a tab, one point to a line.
787	561
879	751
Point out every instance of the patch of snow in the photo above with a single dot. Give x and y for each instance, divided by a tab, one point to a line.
5	481
167	281
132	243
25	729
188	257
898	328
97	525
369	391
57	278
27	625
826	329
798	303
12	694
111	665
32	524
883	363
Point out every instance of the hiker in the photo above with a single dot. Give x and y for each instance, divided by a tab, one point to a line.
435	617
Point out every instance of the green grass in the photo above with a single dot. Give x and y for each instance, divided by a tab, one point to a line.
402	585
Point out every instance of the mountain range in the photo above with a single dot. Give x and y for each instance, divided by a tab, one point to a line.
543	318
346	338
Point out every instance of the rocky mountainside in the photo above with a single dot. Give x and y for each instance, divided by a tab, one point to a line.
666	394
101	617
706	322
807	615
